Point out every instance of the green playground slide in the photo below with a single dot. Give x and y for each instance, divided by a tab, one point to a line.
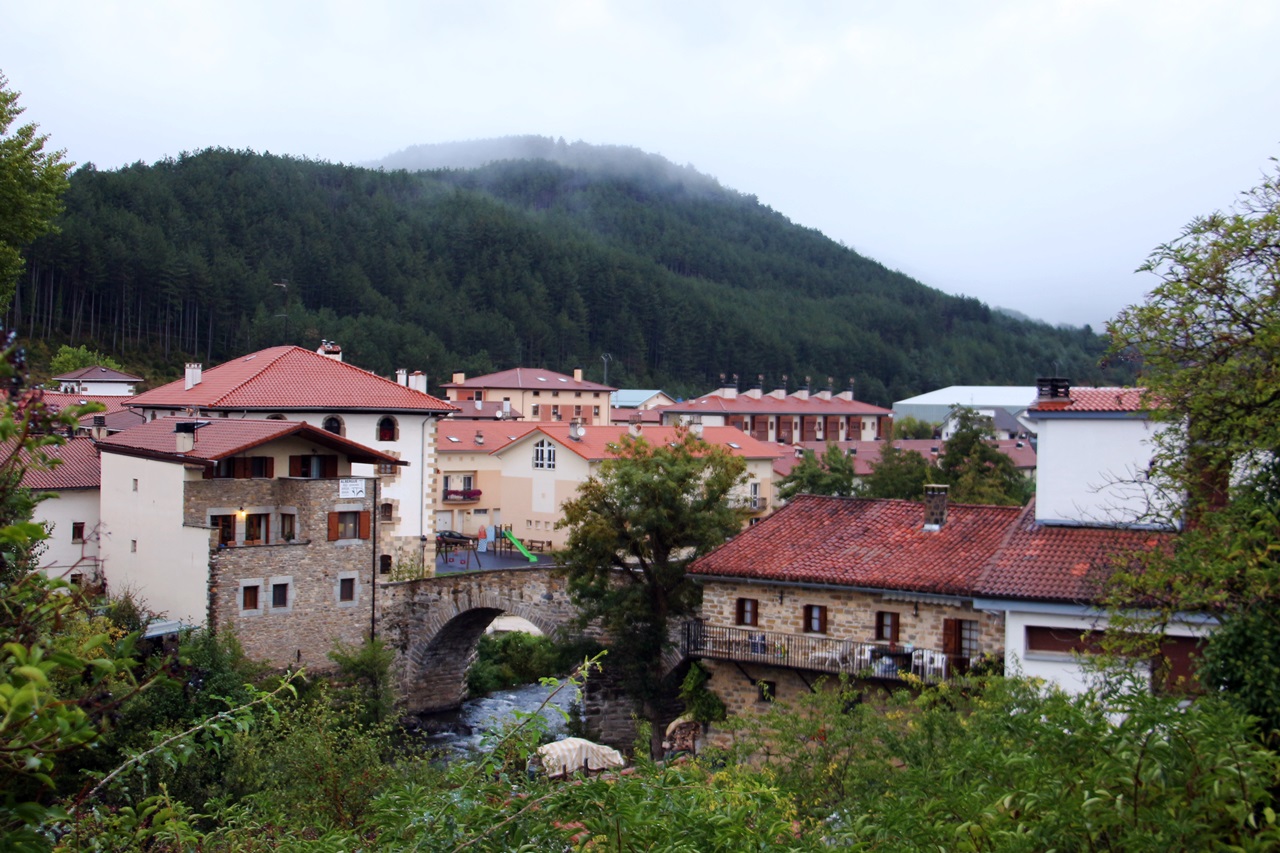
521	548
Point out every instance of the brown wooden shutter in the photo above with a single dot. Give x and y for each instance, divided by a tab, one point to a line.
951	636
330	468
333	526
269	467
894	624
364	524
295	466
208	472
240	468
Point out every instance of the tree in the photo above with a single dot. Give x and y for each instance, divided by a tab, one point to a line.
898	473
69	358
912	427
976	471
833	474
32	182
634	527
1207	340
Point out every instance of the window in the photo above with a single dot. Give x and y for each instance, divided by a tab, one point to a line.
226	527
384	564
768	690
313	466
748	611
257	528
244	468
815	618
352	524
333	424
135	484
133	546
555	413
385	512
387	429
288	526
535	410
249	597
347	589
77	531
887	626
388	469
577	411
595	410
279	596
1063	641
960	641
544	454
754	489
577	393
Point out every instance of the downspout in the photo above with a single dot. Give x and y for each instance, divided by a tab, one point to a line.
422	495
373	575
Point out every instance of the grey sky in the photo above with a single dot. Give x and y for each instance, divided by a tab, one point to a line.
1027	153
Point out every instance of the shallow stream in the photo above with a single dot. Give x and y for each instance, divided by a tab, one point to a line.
462	732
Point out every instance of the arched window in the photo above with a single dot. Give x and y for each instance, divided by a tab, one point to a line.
275	417
333	424
387	430
544	454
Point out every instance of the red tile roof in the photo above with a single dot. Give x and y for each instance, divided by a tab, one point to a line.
98	373
595	441
454	436
874	544
78	469
1093	400
290	378
219	438
112	404
868	453
1055	563
475	410
769	405
530	378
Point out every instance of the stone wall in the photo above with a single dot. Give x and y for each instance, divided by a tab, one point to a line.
314	615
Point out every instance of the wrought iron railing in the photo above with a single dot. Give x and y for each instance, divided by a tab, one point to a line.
820	653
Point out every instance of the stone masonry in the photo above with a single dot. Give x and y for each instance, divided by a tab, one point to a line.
304	629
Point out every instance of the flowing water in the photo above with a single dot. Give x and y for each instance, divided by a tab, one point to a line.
462	732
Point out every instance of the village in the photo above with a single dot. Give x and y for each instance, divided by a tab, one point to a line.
293	498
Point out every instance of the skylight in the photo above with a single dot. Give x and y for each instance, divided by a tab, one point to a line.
453	438
735	445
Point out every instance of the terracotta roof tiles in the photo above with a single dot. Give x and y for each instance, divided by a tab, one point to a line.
530	378
1093	400
290	378
219	438
78	468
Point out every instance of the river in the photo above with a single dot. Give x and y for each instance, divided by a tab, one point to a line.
462	732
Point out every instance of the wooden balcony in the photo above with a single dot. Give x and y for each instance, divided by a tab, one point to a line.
819	653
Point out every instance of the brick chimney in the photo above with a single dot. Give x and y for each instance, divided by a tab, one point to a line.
577	374
330	349
1052	388
185	436
99	429
935	507
194	371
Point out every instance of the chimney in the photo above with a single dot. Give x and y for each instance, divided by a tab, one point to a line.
695	427
758	391
825	393
479	405
636	428
780	393
185	436
1052	388
479	437
99	429
193	374
935	507
728	390
577	374
803	393
506	408
330	349
418	381
402	377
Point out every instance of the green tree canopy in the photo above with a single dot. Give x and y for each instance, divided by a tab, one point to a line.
976	471
898	473
69	358
32	182
833	474
634	528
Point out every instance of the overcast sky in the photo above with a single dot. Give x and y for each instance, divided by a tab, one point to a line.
1027	153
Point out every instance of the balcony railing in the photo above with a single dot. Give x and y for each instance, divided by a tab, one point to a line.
815	652
752	504
461	495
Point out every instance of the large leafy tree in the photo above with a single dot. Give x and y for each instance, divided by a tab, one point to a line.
32	182
634	528
976	470
1207	339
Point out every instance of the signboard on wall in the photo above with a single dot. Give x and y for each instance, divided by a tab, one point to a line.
351	487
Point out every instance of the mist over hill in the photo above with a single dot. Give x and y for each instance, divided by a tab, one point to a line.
551	259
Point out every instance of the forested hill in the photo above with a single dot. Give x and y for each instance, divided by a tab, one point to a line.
528	262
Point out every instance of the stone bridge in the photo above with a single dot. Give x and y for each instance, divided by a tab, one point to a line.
433	625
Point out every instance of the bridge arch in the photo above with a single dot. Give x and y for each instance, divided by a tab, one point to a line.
434	624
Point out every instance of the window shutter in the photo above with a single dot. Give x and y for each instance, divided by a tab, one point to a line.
269	467
951	636
333	526
893	627
208	473
364	524
330	466
240	468
822	620
295	466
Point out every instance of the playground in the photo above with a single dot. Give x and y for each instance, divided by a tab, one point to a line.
505	551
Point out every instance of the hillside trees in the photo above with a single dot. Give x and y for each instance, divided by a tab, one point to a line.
517	263
634	528
32	181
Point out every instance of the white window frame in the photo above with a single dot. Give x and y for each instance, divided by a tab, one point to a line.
544	455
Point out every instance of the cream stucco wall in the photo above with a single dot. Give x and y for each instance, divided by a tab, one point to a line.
145	547
58	513
1090	470
532	497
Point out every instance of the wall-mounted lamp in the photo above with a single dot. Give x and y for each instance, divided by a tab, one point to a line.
240	512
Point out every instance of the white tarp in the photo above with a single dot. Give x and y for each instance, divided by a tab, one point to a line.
569	755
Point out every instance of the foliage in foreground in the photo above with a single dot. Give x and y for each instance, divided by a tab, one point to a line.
1002	764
